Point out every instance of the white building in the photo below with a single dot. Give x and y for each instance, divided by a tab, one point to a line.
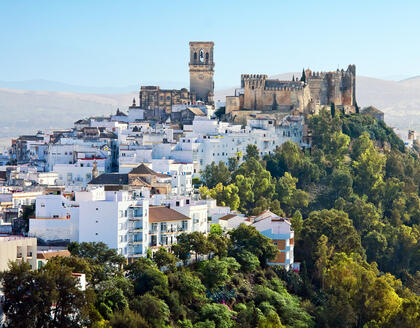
166	225
280	231
115	218
17	248
79	173
56	218
181	174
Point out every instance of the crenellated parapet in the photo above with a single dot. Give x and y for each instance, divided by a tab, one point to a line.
313	90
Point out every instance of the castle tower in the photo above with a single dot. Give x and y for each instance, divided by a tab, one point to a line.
202	71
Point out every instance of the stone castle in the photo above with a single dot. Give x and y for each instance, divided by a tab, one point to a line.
260	95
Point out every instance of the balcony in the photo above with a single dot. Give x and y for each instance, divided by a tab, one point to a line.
135	218
173	229
135	241
135	227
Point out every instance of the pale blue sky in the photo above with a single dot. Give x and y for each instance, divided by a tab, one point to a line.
119	43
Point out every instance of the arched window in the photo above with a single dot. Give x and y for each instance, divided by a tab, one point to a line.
201	56
207	57
195	56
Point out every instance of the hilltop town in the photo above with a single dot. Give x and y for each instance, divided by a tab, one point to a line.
142	167
255	204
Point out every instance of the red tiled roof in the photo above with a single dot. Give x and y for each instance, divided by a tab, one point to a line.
227	216
163	213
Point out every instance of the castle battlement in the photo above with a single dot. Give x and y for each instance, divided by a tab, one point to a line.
254	76
307	94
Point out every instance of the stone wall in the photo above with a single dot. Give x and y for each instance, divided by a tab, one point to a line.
319	89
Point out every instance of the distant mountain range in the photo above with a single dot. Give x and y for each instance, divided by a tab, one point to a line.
46	85
28	106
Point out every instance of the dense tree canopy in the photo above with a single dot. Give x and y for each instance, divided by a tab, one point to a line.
354	205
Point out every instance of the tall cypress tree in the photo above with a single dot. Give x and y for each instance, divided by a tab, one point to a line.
332	109
303	78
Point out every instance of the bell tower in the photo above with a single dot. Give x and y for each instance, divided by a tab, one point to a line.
202	71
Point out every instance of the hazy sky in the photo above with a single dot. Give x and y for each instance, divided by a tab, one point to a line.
119	43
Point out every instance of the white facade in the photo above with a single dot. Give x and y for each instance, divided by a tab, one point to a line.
196	210
56	218
17	248
279	230
181	175
116	219
78	174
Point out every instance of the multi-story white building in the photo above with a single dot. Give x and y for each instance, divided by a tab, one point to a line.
196	210
166	225
115	218
56	218
17	248
181	175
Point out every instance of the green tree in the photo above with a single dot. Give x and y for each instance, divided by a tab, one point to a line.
224	195
217	272
26	304
214	174
113	295
189	288
163	258
332	109
103	260
252	152
128	319
291	198
219	314
233	163
297	222
248	238
248	261
356	288
153	309
336	226
368	169
147	278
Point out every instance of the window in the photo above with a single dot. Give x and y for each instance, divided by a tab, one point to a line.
201	56
184	225
177	203
163	227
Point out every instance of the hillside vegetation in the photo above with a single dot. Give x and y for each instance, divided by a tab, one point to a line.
355	208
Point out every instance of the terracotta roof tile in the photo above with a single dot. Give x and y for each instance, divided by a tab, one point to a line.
163	213
227	216
49	255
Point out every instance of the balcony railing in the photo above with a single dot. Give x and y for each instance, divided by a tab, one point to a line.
173	229
135	241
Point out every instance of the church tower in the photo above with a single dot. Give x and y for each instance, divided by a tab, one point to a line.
202	71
